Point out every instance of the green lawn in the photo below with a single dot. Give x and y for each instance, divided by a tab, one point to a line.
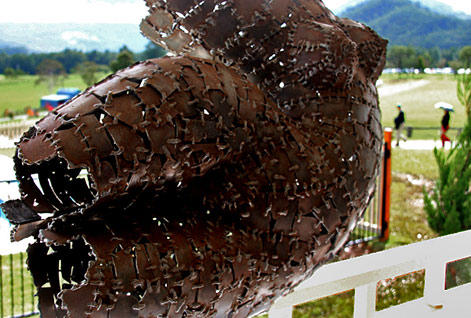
16	94
14	284
418	163
418	104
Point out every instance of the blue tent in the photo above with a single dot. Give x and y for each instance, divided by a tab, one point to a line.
69	91
62	95
52	101
2	215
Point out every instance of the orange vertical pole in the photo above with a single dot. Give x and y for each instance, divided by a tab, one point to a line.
385	185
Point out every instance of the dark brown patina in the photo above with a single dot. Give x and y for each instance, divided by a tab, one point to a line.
210	183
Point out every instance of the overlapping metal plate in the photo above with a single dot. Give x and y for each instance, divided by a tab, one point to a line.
209	183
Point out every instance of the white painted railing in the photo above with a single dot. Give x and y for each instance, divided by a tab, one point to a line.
14	130
364	272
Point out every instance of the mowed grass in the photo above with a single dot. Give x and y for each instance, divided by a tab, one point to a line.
14	284
16	94
418	104
417	163
19	93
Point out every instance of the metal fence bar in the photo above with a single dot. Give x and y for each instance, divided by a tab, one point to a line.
13	289
410	129
32	296
22	283
1	285
12	294
375	221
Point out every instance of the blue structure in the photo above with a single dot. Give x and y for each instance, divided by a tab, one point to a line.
62	95
69	91
2	215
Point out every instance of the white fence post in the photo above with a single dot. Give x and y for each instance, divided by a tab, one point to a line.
364	272
365	301
435	278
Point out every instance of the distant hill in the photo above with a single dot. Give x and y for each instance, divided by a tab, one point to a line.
434	5
11	48
404	22
57	37
420	23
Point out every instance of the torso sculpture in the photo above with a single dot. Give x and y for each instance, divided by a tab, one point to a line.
210	183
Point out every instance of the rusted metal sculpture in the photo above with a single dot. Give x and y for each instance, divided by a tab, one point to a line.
210	183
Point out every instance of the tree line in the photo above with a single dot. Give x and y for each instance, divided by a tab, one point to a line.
72	61
87	63
407	57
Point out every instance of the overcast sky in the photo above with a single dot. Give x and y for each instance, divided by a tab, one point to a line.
80	11
112	11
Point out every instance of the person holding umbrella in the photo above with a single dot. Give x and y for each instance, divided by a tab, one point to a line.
445	123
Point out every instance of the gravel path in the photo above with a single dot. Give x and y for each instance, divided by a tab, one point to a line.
391	89
420	144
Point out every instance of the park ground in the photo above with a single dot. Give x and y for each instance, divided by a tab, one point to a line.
413	165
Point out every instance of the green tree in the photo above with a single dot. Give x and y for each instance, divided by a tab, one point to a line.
401	56
88	72
421	63
465	56
448	206
455	65
10	72
151	51
70	58
51	72
463	91
124	59
436	56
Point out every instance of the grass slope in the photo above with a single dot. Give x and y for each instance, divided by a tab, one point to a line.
16	94
418	104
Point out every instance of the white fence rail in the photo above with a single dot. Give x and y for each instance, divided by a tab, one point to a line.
363	273
13	130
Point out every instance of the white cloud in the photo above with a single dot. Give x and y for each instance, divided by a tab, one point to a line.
72	37
77	11
112	11
335	4
464	6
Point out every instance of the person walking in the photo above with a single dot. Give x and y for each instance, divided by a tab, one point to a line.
399	122
445	126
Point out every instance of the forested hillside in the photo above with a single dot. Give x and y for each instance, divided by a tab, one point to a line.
404	22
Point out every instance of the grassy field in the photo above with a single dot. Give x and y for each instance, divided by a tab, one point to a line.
16	94
417	103
412	170
14	284
418	163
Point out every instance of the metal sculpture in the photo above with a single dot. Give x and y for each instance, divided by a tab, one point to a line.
208	184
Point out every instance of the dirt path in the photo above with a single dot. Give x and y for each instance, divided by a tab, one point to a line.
391	89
